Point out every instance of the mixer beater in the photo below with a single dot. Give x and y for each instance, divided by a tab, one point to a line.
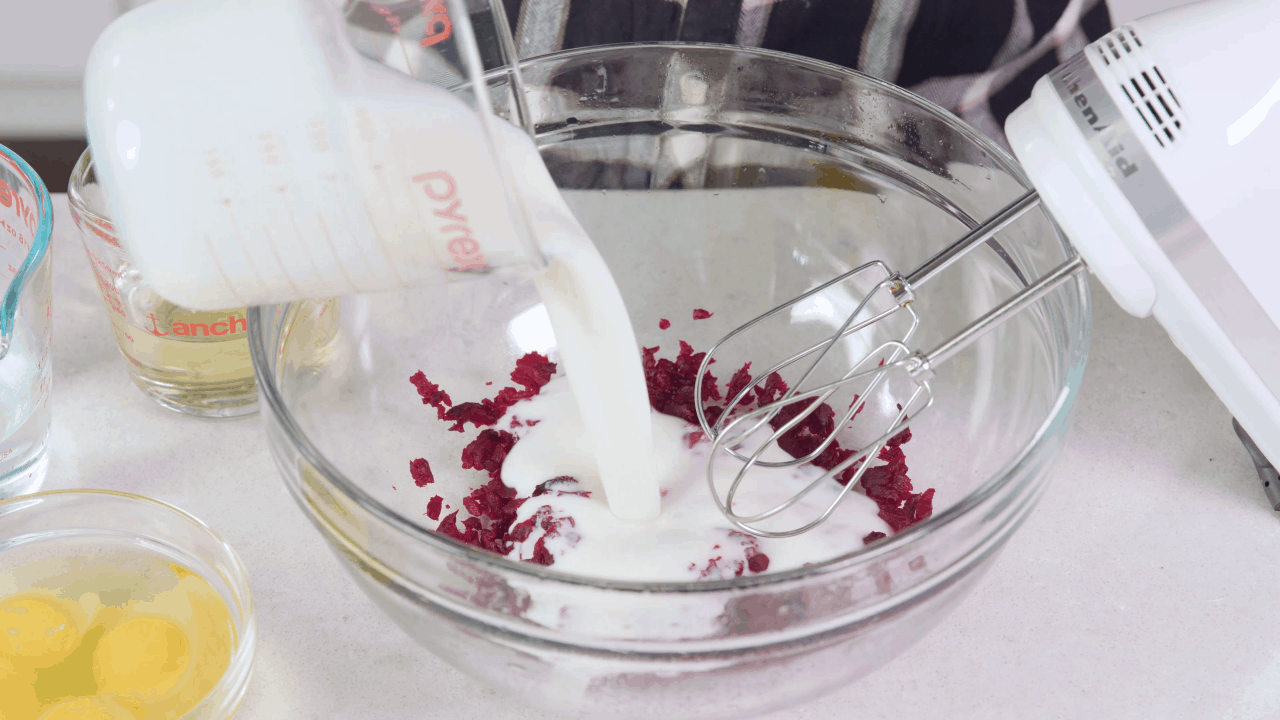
736	430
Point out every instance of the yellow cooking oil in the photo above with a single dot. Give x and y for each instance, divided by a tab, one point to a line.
192	351
109	635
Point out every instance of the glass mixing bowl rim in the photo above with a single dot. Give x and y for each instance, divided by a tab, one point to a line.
336	479
239	583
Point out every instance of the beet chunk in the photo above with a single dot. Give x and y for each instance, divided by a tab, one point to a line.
671	382
757	562
541	555
740	380
431	393
421	472
488	451
533	371
433	507
485	412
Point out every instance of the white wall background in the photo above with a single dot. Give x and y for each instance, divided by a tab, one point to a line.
43	48
44	45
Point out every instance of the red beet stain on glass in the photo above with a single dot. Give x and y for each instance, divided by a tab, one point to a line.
701	314
663	324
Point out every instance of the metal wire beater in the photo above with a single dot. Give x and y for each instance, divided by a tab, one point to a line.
890	364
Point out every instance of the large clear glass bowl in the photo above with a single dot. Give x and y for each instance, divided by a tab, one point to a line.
718	178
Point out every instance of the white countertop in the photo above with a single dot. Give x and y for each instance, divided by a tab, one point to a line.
1144	585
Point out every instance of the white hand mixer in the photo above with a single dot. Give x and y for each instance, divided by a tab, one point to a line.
1154	150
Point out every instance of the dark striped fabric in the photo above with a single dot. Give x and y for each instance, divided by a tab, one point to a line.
977	58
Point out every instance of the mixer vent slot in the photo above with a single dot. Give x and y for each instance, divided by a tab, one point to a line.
1143	83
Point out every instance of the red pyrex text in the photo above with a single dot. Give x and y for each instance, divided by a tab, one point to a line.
463	248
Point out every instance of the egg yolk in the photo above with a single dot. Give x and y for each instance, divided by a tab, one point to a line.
90	708
17	698
143	657
36	631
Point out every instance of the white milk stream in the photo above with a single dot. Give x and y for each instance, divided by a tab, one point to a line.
597	346
597	426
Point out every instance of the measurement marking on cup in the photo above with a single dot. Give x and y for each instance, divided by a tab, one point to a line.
235	228
208	242
315	269
275	251
439	27
382	245
342	270
342	208
386	251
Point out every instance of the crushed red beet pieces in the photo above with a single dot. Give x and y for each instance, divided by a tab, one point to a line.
740	380
671	392
671	383
488	451
562	485
718	568
533	370
493	507
701	314
431	393
421	472
550	525
663	324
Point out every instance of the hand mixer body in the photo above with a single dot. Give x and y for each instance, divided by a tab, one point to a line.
1155	151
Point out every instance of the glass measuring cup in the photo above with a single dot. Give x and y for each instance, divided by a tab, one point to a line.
26	222
193	362
315	172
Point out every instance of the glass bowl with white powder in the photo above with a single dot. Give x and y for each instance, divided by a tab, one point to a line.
711	179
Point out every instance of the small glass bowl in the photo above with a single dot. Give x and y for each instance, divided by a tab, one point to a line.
35	526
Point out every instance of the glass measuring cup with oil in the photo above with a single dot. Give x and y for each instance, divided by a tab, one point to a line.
195	362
